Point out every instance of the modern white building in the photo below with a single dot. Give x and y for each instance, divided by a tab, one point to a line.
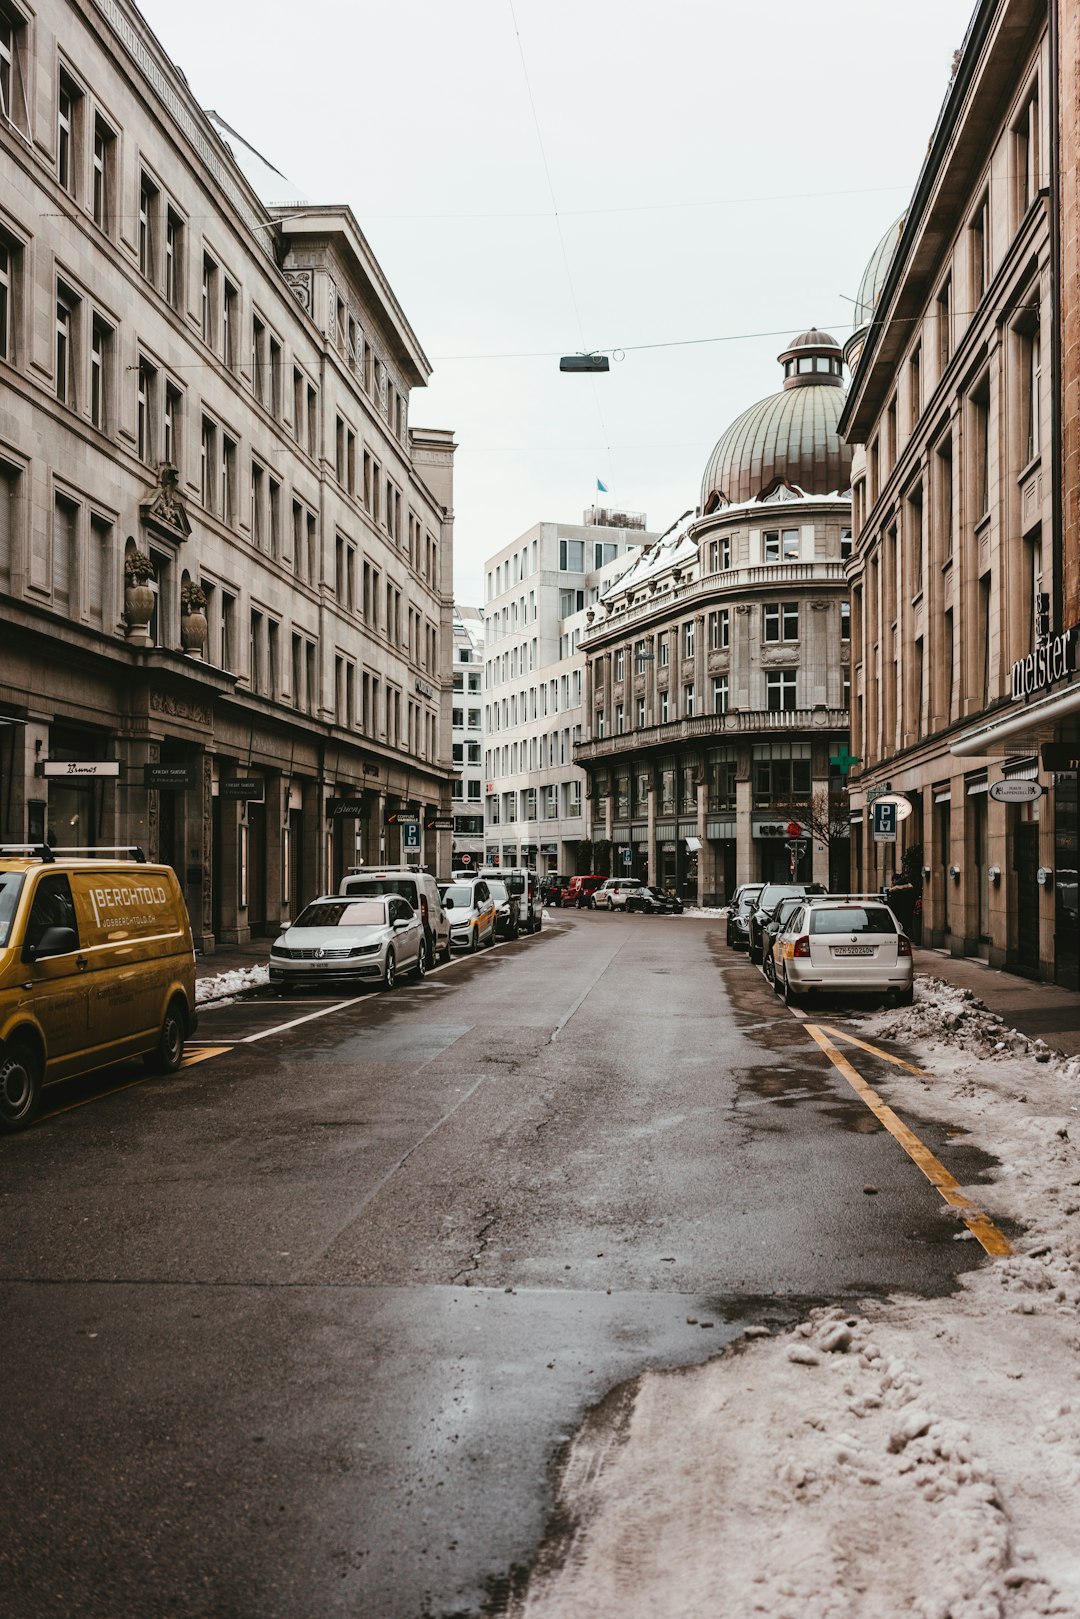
467	736
538	592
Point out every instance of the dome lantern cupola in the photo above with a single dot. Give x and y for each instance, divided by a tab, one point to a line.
790	436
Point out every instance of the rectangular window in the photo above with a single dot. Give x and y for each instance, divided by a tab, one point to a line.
688	640
845	544
780	621
640	658
604	551
640	712
1025	163
170	443
101	348
146	392
571	556
1031	385
227	480
720	694
980	449
979	251
780	690
944	325
209	300
258	485
174	258
104	165
66	305
13	100
64	551
781	545
665	652
914	389
207	463
688	701
148	197
620	664
67	110
8	268
230	322
845	621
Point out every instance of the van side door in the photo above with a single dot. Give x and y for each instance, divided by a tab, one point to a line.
59	983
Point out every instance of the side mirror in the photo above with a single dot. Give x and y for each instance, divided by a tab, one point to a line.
402	922
448	905
55	941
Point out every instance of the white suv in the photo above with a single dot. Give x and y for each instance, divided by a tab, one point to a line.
846	942
613	894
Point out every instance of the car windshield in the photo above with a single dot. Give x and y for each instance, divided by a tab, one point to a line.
774	892
852	919
403	886
10	888
498	892
343	913
513	885
459	895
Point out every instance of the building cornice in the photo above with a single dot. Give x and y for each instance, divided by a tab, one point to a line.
736	723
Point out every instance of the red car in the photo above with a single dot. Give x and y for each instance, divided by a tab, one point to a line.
579	891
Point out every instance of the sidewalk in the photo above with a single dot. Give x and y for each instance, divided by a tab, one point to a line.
233	958
1041	1011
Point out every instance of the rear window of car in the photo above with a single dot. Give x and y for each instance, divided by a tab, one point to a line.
342	913
499	892
748	902
853	919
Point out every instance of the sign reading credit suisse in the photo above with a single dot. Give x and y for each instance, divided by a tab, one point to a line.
1051	661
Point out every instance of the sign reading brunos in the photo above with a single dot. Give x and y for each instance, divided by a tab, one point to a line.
1051	661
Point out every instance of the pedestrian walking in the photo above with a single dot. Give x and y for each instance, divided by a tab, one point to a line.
901	898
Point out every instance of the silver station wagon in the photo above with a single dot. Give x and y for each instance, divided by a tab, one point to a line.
336	939
850	943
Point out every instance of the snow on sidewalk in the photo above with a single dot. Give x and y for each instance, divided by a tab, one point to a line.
225	986
912	1456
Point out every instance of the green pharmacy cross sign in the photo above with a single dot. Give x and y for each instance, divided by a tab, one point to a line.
844	760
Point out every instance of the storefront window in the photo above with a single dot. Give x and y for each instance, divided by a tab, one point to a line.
668	773
642	777
622	792
688	789
720	772
781	771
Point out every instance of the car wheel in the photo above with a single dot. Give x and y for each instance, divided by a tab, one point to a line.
446	951
474	941
421	963
777	985
389	971
491	938
768	967
538	924
789	993
168	1054
906	997
20	1085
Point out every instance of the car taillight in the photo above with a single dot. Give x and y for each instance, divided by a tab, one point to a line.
802	946
903	945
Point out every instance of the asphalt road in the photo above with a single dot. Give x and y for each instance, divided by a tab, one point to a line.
300	1331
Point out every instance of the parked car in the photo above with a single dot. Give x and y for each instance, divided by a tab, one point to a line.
772	927
654	902
520	881
615	892
551	888
765	902
471	910
422	892
738	922
507	909
340	938
579	892
850	942
96	964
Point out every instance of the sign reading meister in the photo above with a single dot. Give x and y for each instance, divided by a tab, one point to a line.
1051	661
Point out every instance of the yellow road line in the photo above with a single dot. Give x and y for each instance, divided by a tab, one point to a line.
981	1227
189	1060
876	1051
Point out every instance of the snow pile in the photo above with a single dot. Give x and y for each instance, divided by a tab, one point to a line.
224	986
911	1455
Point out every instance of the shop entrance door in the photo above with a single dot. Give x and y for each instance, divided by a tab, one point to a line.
1026	865
1066	862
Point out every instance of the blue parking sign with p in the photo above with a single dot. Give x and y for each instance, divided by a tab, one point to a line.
411	835
884	820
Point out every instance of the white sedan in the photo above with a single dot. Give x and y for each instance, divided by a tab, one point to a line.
336	938
848	943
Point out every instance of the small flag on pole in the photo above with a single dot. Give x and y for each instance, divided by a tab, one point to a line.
602	487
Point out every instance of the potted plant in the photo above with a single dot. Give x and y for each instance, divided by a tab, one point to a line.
138	596
192	616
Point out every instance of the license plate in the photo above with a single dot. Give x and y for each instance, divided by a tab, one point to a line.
853	950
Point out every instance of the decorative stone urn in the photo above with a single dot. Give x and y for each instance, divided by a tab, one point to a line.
193	632
138	610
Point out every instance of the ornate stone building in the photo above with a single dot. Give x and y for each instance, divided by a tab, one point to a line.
717	689
225	555
963	645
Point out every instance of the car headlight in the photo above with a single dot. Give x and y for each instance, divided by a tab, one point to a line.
365	949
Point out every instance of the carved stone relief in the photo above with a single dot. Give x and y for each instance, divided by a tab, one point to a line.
302	285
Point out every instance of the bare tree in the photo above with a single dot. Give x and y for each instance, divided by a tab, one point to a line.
823	815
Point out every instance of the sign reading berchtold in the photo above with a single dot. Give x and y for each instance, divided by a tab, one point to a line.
1051	661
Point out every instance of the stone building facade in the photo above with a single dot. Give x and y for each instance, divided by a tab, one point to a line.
962	635
716	686
467	735
191	377
539	591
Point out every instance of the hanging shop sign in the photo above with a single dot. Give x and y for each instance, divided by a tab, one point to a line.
171	778
439	823
402	818
81	767
424	687
242	789
1015	792
902	805
1051	661
337	808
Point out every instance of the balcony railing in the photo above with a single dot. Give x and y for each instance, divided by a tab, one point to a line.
774	576
713	727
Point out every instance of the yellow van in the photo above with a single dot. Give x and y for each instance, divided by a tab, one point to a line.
96	964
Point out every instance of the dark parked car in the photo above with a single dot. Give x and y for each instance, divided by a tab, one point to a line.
507	910
769	896
773	925
654	902
738	922
551	888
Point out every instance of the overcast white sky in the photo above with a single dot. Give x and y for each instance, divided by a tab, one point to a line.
718	168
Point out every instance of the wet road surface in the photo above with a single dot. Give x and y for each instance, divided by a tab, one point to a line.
301	1330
